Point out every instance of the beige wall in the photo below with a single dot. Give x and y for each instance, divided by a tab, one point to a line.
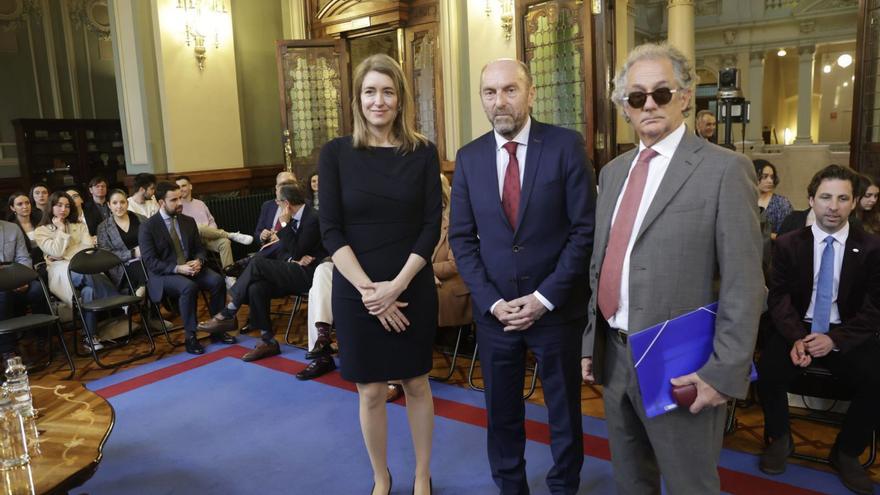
797	165
485	43
200	109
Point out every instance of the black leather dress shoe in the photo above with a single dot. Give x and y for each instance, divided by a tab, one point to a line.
222	337
775	457
316	368
193	346
851	472
322	348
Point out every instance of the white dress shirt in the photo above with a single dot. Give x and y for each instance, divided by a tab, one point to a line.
839	245
502	159
656	171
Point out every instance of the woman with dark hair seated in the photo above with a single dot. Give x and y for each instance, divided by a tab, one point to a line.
60	236
27	218
118	234
867	209
775	207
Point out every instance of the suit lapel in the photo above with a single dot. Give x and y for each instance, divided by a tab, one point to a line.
533	161
615	177
805	260
849	270
681	166
487	169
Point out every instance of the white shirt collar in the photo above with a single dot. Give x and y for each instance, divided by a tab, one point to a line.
840	236
522	138
298	216
667	146
165	216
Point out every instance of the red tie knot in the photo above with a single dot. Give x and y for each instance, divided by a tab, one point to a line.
510	146
647	154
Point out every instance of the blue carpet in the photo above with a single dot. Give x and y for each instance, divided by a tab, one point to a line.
229	427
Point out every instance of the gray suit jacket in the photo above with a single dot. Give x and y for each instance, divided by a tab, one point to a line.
702	224
13	245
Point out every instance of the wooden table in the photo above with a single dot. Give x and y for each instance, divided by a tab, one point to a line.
73	424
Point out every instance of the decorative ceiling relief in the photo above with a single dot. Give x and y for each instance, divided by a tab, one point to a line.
93	15
15	13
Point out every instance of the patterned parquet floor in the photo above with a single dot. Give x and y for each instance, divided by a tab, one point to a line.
810	438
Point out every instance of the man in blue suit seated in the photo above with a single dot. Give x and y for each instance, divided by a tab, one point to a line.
174	256
522	232
268	223
300	252
13	249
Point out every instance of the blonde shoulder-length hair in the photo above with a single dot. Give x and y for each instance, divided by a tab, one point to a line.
403	128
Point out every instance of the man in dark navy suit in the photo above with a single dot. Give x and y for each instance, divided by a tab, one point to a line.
268	224
300	252
521	229
825	305
173	254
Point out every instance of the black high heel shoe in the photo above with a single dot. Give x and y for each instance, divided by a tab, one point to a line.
430	487
390	483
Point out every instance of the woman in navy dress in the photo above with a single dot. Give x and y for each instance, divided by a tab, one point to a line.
380	218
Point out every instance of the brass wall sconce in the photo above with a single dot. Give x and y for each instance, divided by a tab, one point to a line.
201	21
505	15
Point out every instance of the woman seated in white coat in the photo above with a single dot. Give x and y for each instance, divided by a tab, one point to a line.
60	236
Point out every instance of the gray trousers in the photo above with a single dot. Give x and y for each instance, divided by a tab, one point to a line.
680	447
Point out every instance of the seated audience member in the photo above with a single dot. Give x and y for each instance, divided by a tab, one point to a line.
172	252
268	224
214	239
453	295
313	191
60	236
774	206
40	198
119	235
78	203
96	209
13	249
320	321
867	210
143	201
706	125
22	214
825	305
301	251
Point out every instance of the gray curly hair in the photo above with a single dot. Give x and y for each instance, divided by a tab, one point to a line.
685	76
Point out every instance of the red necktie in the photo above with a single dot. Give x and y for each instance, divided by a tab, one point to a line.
510	191
621	231
277	225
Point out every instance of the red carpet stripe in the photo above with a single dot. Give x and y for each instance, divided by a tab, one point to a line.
734	482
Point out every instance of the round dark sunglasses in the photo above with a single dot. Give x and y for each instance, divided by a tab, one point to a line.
637	99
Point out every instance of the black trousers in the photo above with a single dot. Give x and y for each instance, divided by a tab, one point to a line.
857	368
263	279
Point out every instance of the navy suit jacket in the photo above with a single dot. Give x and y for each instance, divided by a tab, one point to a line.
267	214
858	292
158	253
304	241
550	249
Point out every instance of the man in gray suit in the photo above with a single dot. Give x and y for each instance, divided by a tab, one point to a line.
13	303
671	216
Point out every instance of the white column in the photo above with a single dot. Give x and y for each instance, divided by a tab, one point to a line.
130	88
680	33
756	96
452	57
294	21
805	94
625	33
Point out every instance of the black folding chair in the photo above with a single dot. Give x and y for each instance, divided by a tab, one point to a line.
455	350
94	261
297	305
818	381
13	276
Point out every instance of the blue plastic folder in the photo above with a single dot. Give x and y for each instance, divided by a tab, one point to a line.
673	348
